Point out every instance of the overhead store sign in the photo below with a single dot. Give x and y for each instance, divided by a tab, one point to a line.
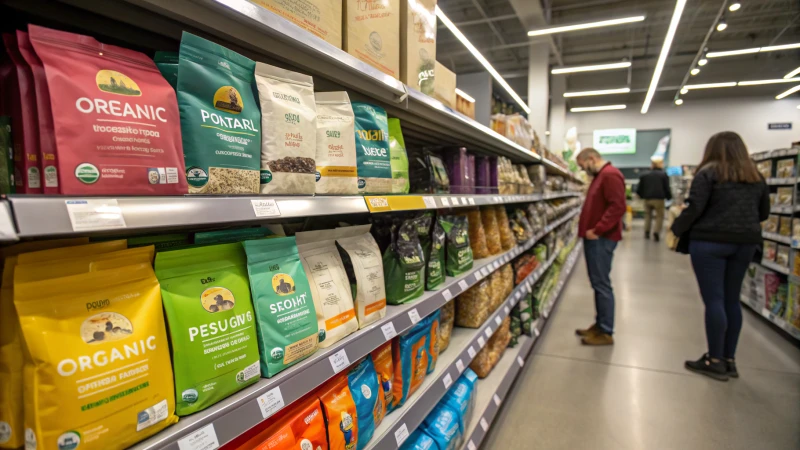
615	141
780	126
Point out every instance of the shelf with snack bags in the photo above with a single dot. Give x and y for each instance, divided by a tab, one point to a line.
782	181
778	321
777	237
775	266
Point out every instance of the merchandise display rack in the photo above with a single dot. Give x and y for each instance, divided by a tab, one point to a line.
780	322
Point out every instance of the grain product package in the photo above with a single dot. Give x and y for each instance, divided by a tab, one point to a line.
404	264
46	131
446	321
372	33
330	289
397	151
286	320
472	306
442	425
323	18
372	149
24	122
487	358
507	240
211	323
336	144
341	415
477	236
419	440
491	230
363	382
300	426
288	150
382	360
410	358
113	385
418	44
6	156
459	253
167	63
220	120
364	267
116	119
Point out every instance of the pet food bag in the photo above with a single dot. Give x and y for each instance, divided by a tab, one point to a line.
288	130
472	306
300	426
404	264
382	360
341	414
446	321
116	119
459	253
220	120
461	397
336	145
113	319
434	250
432	328
372	149
442	425
397	151
286	319
362	261
363	382
330	289
211	323
419	440
410	357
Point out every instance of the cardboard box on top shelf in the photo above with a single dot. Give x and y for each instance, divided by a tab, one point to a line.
465	106
418	44
444	85
372	33
323	18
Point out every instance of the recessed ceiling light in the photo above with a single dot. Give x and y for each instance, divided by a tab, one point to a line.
465	96
722	25
598	108
710	85
600	92
481	59
695	71
679	101
583	26
619	65
787	93
745	51
684	91
734	6
792	73
662	58
702	62
776	81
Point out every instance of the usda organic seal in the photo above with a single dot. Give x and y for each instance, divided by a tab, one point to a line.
87	173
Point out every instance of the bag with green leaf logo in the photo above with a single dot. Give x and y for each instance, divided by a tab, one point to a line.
404	264
459	253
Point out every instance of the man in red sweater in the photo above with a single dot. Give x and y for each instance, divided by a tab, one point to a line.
600	227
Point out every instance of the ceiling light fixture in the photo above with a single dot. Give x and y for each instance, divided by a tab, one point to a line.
776	81
722	25
610	66
787	93
584	26
679	101
465	96
792	73
662	58
684	91
745	51
735	6
597	108
690	87
695	71
484	62
600	92
702	62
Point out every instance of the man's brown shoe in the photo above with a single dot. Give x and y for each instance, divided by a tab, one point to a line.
599	338
589	331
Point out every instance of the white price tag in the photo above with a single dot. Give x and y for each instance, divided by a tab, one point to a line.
100	214
497	320
430	203
401	434
536	332
447	380
463	285
265	208
388	330
471	446
447	295
471	352
506	309
495	265
488	332
459	366
414	316
444	201
339	361
517	295
496	400
203	439
520	361
271	402
454	201
464	200
545	314
484	425
485	271
481	341
478	276
471	201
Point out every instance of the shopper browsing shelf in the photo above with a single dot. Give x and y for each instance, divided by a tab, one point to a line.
600	227
727	201
654	189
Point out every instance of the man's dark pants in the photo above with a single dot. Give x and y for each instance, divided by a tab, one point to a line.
599	253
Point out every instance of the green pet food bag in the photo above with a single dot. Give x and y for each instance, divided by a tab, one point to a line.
432	237
404	264
211	323
285	314
459	253
374	165
220	119
397	151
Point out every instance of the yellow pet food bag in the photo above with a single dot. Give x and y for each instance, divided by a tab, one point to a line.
99	364
68	253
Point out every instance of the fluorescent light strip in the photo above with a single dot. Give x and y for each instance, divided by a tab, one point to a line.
484	62
787	93
792	73
619	65
598	108
777	81
465	96
746	51
662	58
600	92
710	85
584	26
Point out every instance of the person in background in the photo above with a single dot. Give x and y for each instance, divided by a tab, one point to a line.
654	189
727	202
600	226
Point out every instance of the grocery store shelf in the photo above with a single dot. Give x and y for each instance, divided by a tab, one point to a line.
243	410
393	203
775	266
778	153
778	321
783	209
782	181
777	237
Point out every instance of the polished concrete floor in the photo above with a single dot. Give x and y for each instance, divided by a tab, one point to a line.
636	394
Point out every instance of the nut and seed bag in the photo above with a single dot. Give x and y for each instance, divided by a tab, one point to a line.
288	130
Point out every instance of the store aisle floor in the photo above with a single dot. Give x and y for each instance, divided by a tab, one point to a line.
636	394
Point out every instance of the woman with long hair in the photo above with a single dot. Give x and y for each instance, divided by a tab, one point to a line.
727	202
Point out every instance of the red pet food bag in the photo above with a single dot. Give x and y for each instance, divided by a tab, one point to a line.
47	138
24	123
115	118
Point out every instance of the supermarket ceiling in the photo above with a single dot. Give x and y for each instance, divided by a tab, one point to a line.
496	28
